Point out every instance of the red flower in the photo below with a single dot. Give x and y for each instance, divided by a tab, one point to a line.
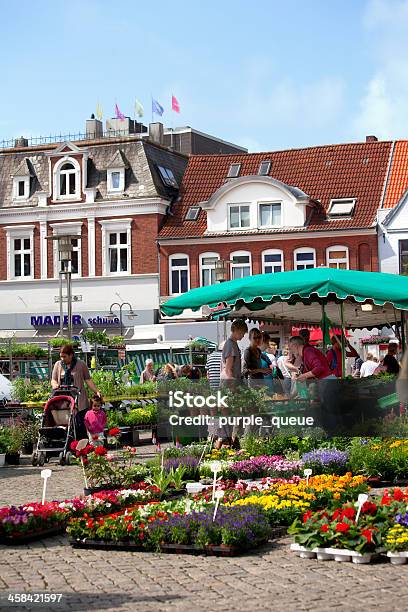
368	508
73	445
307	516
368	535
342	527
130	527
336	514
324	528
95	437
100	450
114	431
142	525
399	495
141	535
385	500
349	513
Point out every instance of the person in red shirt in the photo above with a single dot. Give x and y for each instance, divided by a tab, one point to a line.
315	365
334	355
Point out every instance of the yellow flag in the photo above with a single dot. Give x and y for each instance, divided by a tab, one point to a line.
99	111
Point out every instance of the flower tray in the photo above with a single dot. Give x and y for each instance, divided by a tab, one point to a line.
178	549
17	540
398	558
340	555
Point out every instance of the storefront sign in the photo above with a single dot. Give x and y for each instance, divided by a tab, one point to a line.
54	321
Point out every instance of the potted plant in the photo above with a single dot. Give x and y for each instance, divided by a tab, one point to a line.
14	445
4	443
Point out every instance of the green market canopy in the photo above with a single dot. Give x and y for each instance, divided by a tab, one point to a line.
370	299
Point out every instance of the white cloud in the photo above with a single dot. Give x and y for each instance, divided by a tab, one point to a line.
383	109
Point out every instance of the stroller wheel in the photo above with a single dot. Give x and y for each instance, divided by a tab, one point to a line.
41	459
68	458
34	459
61	459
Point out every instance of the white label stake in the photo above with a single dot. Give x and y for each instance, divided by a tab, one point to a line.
45	474
219	495
80	446
215	467
307	472
362	498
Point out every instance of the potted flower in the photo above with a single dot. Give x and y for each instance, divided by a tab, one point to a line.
4	444
14	445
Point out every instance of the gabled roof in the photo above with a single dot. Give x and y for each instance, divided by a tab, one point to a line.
118	160
398	179
394	211
356	170
24	169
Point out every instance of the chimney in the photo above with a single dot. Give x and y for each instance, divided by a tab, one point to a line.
156	133
21	142
371	138
94	128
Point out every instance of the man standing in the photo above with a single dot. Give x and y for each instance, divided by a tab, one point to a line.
213	367
231	371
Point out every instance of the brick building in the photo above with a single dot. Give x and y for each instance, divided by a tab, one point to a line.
273	212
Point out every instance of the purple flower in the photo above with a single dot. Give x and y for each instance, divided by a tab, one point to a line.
326	459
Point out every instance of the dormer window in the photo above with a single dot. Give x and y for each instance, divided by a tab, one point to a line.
67	180
167	177
341	208
264	168
116	180
21	181
192	213
234	170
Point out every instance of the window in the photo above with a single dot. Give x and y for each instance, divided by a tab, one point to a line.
73	229
207	268
167	177
264	168
116	180
239	216
403	257
66	180
305	259
272	261
341	208
118	251
20	256
21	188
116	247
179	276
241	264
337	257
192	213
270	215
234	170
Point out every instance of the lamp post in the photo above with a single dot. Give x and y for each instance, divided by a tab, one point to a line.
120	306
221	270
65	249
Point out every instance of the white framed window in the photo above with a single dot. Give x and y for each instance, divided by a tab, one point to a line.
341	208
116	180
241	264
21	188
239	216
207	268
116	247
20	252
234	170
167	177
270	214
305	258
67	179
337	257
179	276
74	229
272	261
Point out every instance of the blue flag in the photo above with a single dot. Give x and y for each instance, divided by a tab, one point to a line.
157	108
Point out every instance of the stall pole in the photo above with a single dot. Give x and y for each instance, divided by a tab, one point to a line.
343	339
49	361
10	347
225	330
61	305
403	336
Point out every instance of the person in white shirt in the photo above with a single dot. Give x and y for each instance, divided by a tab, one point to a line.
369	366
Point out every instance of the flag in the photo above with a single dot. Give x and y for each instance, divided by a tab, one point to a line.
157	108
99	112
118	113
175	106
139	110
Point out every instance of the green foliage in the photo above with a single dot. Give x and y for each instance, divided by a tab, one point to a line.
385	459
23	350
277	445
30	390
5	439
96	337
58	342
113	384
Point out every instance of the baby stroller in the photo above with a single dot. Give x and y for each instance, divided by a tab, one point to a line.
57	429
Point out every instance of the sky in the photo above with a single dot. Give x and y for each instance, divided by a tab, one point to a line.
265	74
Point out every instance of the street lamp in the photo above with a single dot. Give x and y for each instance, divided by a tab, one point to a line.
65	249
221	270
120	306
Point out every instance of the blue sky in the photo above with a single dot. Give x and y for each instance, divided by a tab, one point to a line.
264	74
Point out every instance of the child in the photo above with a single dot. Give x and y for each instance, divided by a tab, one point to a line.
95	422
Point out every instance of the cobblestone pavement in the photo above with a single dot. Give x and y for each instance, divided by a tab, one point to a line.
270	579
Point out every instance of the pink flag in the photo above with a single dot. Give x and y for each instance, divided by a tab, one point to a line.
118	113
175	106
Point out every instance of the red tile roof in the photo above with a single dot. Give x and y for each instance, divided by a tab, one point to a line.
398	179
355	170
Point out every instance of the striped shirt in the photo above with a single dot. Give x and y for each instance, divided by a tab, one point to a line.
213	367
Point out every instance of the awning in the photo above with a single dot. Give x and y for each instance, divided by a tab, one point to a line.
298	296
